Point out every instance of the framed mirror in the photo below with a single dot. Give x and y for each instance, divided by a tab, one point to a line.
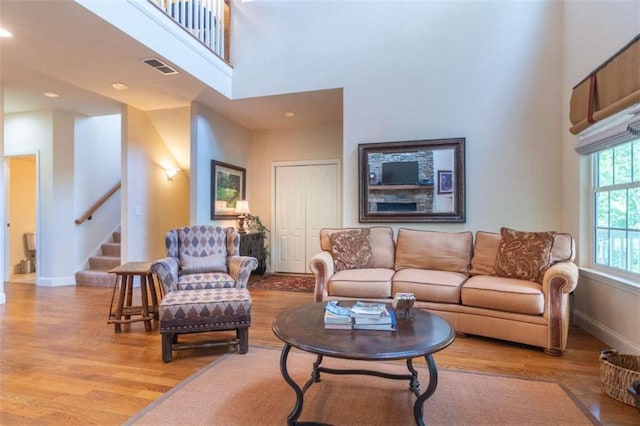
412	181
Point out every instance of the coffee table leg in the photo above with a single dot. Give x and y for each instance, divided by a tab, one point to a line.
297	410
418	407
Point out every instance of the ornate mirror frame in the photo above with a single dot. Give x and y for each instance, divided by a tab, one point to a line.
412	181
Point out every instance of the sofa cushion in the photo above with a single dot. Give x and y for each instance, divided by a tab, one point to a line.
523	255
429	285
485	250
563	248
380	240
443	251
206	280
361	283
193	264
503	294
350	249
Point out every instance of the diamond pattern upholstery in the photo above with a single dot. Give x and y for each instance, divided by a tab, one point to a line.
199	241
195	311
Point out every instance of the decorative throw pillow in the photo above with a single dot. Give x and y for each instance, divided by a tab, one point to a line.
523	255
194	264
351	249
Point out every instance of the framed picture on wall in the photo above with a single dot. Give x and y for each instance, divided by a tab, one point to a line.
228	186
445	181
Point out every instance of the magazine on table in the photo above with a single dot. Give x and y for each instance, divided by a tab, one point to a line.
368	309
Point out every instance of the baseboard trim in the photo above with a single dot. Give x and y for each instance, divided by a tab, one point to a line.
55	282
608	336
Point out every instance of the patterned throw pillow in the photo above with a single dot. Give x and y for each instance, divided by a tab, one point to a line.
523	255
195	264
351	249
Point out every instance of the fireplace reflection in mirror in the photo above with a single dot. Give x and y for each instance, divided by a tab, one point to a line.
398	181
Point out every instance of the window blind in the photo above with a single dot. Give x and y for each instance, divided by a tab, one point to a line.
612	87
619	128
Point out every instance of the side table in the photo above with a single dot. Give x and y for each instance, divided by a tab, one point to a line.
252	244
124	308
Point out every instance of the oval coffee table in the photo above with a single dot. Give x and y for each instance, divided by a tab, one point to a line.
303	327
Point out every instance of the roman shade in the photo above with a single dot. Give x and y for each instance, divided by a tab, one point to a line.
611	88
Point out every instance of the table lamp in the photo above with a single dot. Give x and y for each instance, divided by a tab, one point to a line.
242	208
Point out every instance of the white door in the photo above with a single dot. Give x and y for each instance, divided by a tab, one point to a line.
290	219
306	200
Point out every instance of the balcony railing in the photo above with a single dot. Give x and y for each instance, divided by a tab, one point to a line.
207	20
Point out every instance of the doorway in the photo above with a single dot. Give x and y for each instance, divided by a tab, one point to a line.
21	214
306	199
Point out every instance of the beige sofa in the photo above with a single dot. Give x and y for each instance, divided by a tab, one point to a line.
457	276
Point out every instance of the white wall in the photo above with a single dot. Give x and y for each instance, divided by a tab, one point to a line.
151	205
593	31
51	134
213	137
96	170
487	71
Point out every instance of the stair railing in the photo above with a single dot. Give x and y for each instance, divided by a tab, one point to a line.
207	20
97	204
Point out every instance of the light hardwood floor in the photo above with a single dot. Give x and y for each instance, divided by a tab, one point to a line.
62	363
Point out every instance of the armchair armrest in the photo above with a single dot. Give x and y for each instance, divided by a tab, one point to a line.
240	268
322	267
167	272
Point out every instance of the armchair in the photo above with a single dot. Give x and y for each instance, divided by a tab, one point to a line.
203	257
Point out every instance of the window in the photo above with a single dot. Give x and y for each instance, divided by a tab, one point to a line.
616	201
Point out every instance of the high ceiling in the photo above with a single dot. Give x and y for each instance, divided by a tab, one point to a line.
59	46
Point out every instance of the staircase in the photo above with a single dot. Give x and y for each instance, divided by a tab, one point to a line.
99	266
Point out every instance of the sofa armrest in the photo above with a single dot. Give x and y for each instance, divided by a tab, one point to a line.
240	268
565	271
559	280
167	272
322	267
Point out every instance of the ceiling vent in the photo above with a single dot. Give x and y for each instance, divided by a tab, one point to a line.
160	66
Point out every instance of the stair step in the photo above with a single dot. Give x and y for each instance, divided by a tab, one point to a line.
104	263
95	278
111	249
116	237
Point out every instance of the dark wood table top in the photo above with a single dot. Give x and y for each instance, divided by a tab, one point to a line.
303	327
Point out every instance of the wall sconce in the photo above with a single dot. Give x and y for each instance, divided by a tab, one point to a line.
171	173
242	208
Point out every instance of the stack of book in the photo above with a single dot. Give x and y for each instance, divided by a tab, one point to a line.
360	316
373	316
337	317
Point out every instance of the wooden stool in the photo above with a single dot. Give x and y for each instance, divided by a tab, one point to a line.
124	310
197	311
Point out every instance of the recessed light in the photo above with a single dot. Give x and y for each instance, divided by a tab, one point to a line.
51	94
119	86
289	114
4	33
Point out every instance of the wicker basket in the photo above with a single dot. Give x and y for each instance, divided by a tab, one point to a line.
617	373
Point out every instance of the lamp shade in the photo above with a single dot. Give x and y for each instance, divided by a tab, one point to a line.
242	207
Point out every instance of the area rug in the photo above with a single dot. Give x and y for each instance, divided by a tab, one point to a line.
249	390
298	283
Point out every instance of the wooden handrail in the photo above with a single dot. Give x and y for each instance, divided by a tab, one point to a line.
98	203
